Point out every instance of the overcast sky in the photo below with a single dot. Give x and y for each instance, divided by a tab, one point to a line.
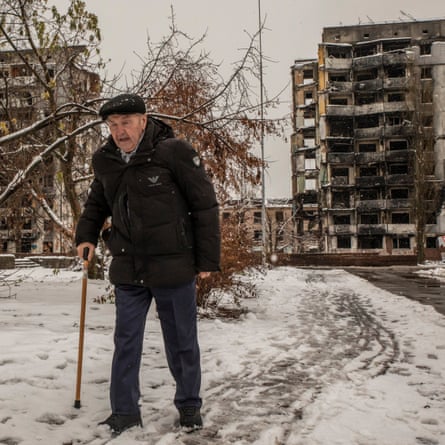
294	29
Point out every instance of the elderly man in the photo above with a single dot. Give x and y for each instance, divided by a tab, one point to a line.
164	232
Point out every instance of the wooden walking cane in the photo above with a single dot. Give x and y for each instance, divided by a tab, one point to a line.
82	325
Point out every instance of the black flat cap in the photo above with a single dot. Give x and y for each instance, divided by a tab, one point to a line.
123	104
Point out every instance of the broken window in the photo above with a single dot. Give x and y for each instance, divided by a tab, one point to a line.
426	72
369	195
396	97
308	74
339	147
366	75
425	49
431	242
368	121
427	120
341	127
430	218
257	218
310	198
369	218
367	148
343	242
370	242
400	242
394	119
399	193
338	100
395	45
257	235
368	171
427	94
365	98
279	216
340	199
339	52
396	71
398	169
400	218
365	50
342	220
340	172
338	77
398	145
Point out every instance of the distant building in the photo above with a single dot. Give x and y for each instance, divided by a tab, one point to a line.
368	148
279	225
24	226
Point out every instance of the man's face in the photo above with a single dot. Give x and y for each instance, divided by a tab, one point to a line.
126	129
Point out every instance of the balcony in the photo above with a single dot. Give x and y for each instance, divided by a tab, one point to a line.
374	108
341	205
341	158
399	180
401	229
371	229
371	204
398	155
368	85
393	204
395	58
391	107
340	181
369	158
367	62
395	83
332	63
339	86
342	229
370	181
340	110
398	130
368	133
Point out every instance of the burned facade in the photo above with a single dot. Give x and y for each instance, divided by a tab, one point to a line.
279	224
368	148
25	225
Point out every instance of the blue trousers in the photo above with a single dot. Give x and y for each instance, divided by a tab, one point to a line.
177	312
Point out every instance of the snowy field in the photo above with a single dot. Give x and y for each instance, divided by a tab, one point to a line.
321	358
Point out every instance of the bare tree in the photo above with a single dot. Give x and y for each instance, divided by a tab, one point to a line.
179	80
427	197
46	84
47	155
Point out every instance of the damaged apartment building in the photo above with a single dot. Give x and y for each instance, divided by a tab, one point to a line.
368	148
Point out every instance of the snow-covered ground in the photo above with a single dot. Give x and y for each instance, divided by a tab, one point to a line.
321	358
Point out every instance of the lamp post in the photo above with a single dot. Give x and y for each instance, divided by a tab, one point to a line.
263	185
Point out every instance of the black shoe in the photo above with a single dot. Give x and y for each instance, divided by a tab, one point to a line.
190	417
120	422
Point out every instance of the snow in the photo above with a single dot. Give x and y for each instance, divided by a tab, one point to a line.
322	357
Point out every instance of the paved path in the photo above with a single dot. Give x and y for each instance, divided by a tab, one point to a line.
403	280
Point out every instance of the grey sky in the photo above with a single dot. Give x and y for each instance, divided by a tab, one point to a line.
294	29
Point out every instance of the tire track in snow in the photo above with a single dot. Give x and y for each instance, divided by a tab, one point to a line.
333	336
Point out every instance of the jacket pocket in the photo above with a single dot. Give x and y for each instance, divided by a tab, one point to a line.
184	234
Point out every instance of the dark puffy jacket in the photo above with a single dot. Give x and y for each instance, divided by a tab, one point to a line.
165	219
